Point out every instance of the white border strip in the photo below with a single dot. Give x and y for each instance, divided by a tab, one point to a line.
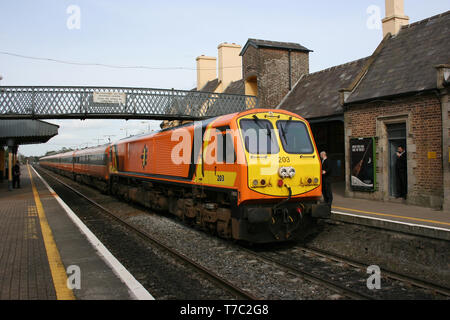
124	275
392	221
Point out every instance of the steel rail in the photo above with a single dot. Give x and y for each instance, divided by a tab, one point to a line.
219	281
437	289
335	286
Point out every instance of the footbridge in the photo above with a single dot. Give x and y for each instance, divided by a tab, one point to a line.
117	103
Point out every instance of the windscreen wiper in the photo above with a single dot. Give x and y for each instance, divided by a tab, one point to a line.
283	133
257	120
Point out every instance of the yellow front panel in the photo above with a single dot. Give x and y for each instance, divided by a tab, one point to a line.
266	167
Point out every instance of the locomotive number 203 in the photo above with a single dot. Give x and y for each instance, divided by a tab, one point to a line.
284	159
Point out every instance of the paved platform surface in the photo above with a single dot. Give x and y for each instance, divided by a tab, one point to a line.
394	211
30	268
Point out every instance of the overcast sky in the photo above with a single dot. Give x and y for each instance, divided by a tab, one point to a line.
170	34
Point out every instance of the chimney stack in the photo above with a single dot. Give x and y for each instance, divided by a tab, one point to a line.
395	17
206	70
230	64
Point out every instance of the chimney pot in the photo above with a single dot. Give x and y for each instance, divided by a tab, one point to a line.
206	70
395	17
230	64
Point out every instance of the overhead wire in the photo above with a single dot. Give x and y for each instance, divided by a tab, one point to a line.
105	65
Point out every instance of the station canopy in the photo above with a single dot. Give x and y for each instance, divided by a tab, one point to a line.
19	132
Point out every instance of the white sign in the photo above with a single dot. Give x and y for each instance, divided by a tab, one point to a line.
110	97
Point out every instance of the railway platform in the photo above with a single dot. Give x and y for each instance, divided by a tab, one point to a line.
393	215
44	254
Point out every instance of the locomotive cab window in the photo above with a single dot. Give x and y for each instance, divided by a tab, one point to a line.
294	137
259	136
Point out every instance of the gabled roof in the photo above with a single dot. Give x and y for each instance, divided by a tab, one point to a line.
210	86
236	87
317	94
406	62
257	43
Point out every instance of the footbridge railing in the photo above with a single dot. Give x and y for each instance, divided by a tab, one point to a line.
117	103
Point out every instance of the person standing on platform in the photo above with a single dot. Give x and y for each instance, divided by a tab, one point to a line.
326	179
16	175
2	164
401	172
6	170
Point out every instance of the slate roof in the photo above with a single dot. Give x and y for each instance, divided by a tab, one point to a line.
257	43
406	62
317	94
236	87
210	86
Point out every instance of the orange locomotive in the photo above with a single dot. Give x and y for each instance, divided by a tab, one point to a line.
253	175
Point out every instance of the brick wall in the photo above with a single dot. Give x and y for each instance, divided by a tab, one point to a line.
424	134
271	67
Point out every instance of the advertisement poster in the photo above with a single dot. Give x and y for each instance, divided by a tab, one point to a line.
362	164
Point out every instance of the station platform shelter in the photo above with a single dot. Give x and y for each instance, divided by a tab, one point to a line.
19	132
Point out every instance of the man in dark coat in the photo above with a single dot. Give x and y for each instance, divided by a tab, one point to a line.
16	175
401	172
326	179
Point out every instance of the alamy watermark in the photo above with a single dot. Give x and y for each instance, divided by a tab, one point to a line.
262	144
74	277
74	19
373	22
374	281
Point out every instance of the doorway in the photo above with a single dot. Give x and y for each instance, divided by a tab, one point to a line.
396	137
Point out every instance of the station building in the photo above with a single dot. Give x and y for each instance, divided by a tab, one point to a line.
400	97
397	96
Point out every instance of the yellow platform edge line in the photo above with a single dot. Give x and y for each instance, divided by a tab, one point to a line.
57	269
393	216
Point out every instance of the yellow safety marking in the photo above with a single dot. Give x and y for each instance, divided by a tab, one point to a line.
393	216
30	224
32	211
54	259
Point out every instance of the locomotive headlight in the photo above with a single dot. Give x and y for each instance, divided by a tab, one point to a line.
316	180
283	172
255	183
291	172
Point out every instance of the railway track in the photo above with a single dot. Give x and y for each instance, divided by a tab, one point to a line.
413	282
209	275
347	283
336	286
